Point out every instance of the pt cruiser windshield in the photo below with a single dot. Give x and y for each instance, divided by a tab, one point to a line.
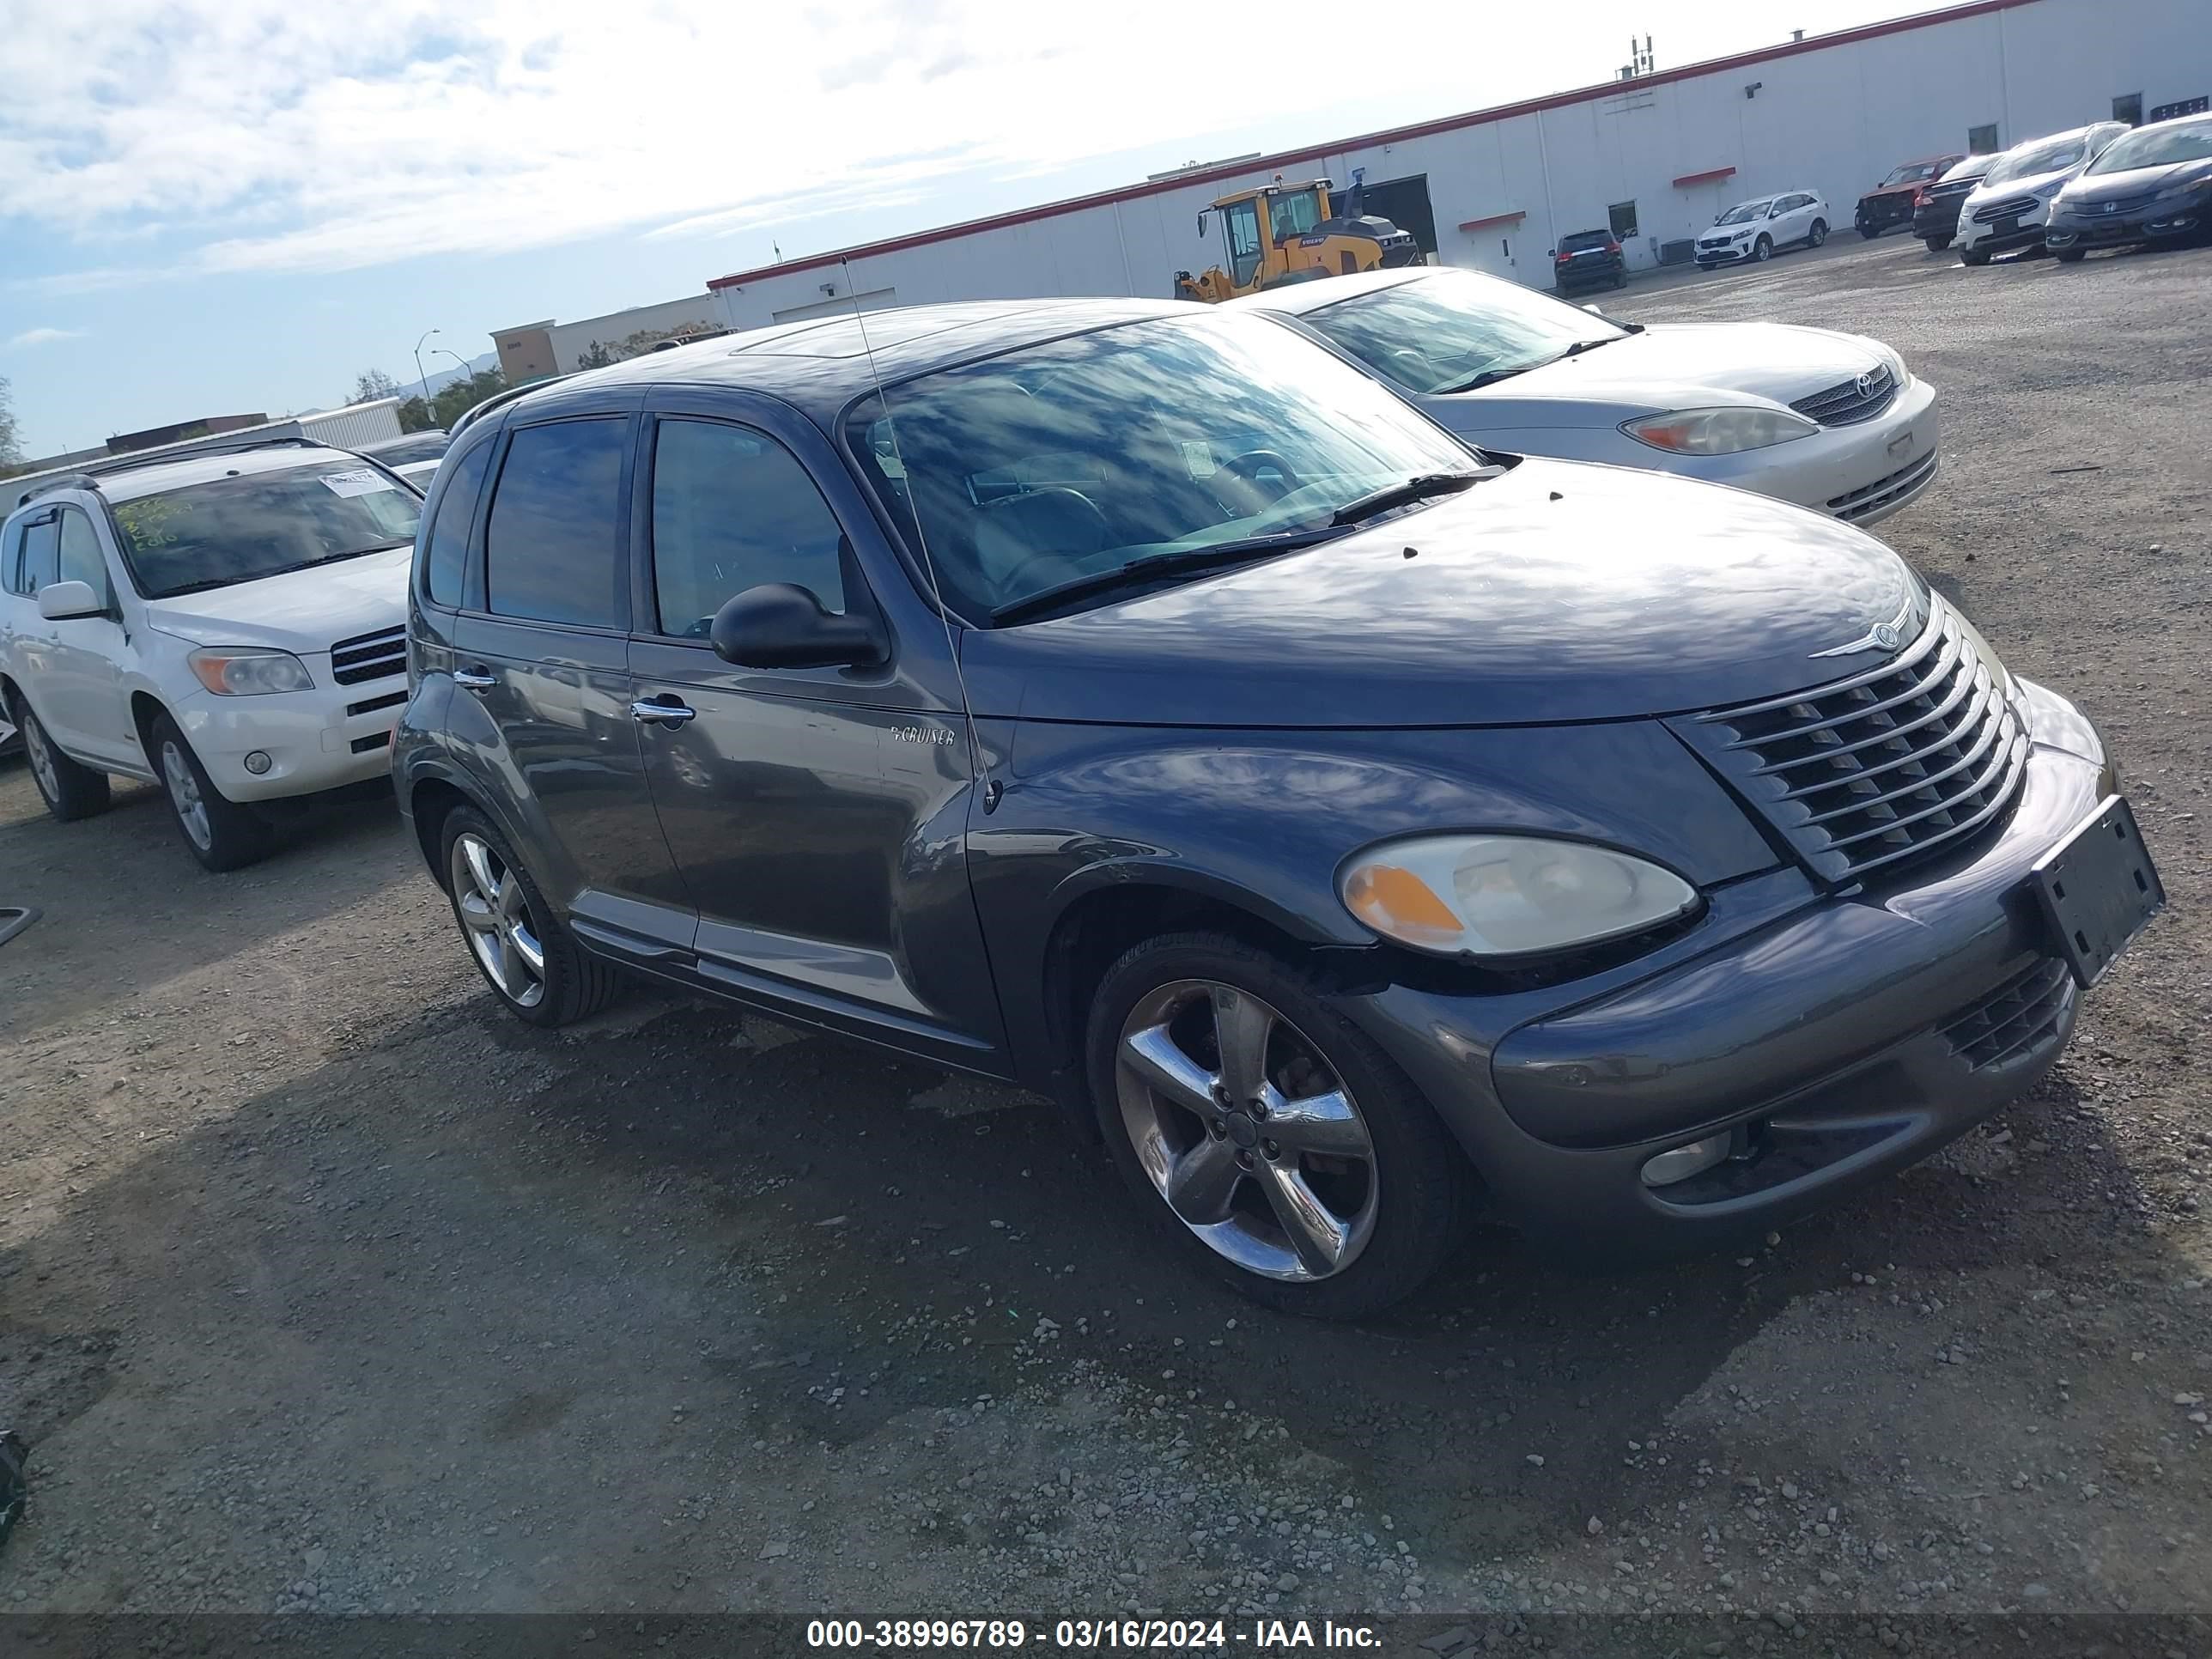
1156	448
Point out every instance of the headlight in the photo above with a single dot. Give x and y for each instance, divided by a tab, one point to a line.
250	673
1718	431
2045	192
2188	187
1506	896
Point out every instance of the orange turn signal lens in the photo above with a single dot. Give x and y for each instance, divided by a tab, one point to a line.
1396	902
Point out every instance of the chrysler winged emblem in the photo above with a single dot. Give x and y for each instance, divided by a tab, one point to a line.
1882	637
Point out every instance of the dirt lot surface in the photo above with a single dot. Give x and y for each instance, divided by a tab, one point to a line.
323	1285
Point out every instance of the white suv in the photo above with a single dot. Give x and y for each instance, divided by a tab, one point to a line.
2010	206
230	624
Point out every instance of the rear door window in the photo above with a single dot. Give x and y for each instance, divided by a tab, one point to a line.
553	545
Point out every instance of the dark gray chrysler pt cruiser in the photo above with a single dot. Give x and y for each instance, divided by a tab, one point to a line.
1139	702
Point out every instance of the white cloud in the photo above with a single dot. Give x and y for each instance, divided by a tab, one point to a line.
39	336
311	135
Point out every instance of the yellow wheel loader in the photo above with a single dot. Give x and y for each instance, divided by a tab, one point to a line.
1279	232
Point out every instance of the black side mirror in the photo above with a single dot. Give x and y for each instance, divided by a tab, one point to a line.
783	625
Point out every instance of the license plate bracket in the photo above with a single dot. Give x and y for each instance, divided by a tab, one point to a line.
2098	889
2006	227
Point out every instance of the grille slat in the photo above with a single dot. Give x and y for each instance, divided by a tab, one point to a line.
1990	213
1882	766
2016	1017
1848	403
369	656
1907	480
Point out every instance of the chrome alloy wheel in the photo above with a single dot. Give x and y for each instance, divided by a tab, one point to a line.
1247	1134
42	758
185	796
495	919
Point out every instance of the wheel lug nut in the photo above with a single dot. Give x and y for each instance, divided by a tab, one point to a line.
1219	1129
1259	1109
1243	1160
1271	1149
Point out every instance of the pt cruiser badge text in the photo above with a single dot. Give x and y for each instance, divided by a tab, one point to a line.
920	734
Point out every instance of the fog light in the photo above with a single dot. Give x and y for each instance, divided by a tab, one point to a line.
1681	1163
257	761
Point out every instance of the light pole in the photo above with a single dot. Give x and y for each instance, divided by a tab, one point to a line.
421	379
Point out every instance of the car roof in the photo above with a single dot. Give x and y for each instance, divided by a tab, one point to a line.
821	364
1298	298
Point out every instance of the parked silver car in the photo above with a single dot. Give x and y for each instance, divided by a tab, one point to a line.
1832	422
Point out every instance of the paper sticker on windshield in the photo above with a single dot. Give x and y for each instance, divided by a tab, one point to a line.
1198	458
365	481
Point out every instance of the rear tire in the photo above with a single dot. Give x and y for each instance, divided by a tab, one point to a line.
1820	234
71	791
1391	1200
1620	279
220	833
1763	249
524	951
1936	244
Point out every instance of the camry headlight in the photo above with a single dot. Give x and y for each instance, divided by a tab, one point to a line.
1718	431
249	673
1506	896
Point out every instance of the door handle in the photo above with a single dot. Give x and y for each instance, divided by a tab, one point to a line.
474	680
662	713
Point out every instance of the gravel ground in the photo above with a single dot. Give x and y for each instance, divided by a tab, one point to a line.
323	1285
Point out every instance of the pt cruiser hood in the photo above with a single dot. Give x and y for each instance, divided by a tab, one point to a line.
1558	592
299	610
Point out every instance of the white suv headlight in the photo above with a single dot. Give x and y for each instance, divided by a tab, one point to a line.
248	672
1718	431
1506	896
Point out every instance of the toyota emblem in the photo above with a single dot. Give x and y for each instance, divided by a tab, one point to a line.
1865	384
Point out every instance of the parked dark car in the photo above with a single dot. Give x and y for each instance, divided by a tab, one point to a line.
1935	207
1894	200
1587	260
1141	703
2154	186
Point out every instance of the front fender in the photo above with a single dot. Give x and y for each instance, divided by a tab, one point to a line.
1261	821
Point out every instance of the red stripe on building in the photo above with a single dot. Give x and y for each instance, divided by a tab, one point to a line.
1711	175
1494	218
1286	159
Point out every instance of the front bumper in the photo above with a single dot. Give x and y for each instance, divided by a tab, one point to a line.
1860	473
1735	253
2161	222
315	740
1832	1039
1883	212
2027	231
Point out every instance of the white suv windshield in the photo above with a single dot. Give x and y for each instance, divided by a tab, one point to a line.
1078	459
1743	213
242	528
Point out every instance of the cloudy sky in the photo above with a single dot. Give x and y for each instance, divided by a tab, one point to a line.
218	205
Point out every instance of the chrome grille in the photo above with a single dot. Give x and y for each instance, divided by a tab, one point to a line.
2016	1018
1849	402
1892	764
369	656
1948	191
1991	212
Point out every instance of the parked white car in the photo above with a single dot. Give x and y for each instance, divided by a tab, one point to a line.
414	457
2011	205
1752	231
1832	422
230	624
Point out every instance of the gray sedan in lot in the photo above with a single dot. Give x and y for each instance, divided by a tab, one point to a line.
1830	421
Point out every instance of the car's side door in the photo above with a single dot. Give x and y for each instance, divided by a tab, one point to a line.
87	709
539	658
818	814
1785	219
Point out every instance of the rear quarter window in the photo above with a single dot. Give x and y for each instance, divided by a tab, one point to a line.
446	548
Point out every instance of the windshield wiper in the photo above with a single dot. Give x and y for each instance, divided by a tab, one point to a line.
1418	488
332	558
1488	377
1186	561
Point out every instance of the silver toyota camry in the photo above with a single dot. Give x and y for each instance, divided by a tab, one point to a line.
1830	421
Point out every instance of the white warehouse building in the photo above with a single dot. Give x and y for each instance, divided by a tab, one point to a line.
1654	156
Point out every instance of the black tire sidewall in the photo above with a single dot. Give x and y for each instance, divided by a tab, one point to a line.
1763	249
1426	1185
573	986
237	835
80	791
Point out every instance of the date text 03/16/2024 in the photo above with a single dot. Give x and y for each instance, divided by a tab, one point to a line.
1261	1636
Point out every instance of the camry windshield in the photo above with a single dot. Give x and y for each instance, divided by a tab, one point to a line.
1456	331
248	526
1743	213
1181	441
2053	157
2157	147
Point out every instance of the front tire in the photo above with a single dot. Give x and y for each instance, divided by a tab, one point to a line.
2069	255
1869	231
220	833
1820	234
71	791
1972	256
1275	1143
1936	244
523	949
1763	249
